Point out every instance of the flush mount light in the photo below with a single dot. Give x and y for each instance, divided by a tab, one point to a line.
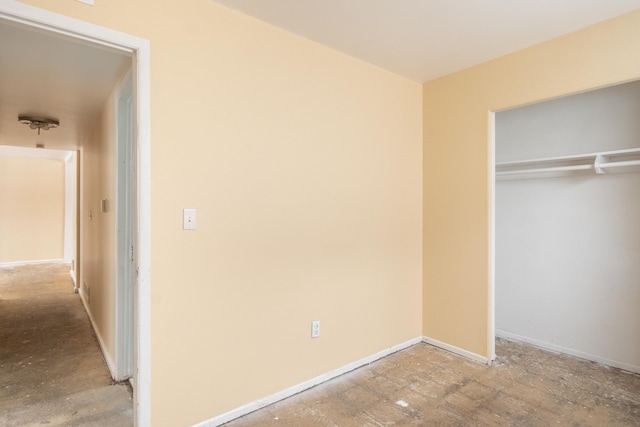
44	123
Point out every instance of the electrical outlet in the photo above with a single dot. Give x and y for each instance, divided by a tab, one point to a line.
315	329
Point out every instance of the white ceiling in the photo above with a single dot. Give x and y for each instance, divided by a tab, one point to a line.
426	39
53	76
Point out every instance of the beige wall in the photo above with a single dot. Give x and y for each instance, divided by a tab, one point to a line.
97	260
32	203
305	167
457	148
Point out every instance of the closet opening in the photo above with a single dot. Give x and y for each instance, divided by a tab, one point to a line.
566	230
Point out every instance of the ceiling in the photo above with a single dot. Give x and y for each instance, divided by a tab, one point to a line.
426	39
57	77
52	75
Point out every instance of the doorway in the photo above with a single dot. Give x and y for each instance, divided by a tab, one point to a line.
54	26
567	239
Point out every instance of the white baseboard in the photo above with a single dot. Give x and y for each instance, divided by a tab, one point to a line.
110	364
457	350
571	352
258	404
72	273
32	262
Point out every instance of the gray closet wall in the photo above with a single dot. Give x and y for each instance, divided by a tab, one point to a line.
568	244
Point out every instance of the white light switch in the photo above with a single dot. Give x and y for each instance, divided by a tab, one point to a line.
189	219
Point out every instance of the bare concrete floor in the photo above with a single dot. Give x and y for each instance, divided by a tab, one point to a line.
51	369
426	386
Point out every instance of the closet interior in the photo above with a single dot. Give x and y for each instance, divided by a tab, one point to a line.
567	225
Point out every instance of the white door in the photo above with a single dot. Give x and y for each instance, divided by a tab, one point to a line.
125	223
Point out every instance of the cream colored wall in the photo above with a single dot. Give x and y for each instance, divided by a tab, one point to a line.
31	208
305	168
97	260
458	151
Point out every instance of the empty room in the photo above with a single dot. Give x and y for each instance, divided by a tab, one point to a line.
305	213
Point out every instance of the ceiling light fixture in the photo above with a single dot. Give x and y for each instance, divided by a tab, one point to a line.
44	123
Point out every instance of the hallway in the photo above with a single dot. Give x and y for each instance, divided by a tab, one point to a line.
51	368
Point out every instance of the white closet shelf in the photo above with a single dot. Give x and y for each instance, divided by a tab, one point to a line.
600	163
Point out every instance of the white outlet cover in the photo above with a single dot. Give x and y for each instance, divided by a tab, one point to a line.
315	329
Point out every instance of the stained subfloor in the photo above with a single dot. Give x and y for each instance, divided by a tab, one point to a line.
51	369
52	373
427	386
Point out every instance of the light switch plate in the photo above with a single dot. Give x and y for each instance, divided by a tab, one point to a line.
189	219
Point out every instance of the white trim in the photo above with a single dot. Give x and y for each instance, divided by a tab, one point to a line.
70	199
32	262
142	94
72	274
42	153
103	348
258	404
457	350
571	352
34	17
76	29
491	302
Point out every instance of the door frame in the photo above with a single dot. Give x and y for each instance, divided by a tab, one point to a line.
125	210
491	302
139	48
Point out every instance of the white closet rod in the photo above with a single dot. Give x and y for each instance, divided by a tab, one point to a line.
619	164
616	161
545	170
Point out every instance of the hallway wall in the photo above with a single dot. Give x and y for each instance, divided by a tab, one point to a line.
32	203
98	233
